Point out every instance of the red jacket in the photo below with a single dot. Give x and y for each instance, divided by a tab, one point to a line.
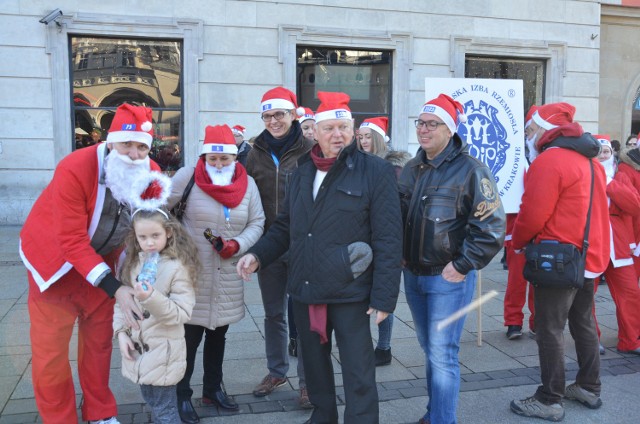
624	208
57	233
631	170
556	198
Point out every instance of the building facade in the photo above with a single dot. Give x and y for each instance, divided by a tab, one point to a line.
203	62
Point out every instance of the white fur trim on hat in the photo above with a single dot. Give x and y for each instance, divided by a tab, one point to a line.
375	128
541	122
333	114
125	136
277	104
442	114
140	185
230	149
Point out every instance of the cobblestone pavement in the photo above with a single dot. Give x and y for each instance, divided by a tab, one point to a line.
494	371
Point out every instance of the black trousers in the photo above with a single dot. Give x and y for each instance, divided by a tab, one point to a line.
554	307
353	336
212	358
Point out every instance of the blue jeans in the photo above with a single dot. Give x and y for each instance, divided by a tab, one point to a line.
384	333
432	299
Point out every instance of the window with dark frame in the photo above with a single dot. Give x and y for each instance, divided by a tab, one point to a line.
530	71
635	115
365	75
106	72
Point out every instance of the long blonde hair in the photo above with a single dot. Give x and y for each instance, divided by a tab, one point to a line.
378	145
179	246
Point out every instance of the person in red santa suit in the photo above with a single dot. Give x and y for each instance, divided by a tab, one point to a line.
69	244
554	207
629	165
516	294
624	206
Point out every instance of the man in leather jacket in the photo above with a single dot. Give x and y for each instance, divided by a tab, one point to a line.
454	224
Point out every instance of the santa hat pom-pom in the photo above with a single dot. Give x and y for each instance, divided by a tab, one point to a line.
152	191
146	126
386	139
462	118
300	111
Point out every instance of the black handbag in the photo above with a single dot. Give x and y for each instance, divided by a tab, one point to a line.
551	264
178	209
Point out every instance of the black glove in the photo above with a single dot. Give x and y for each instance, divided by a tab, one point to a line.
110	285
634	155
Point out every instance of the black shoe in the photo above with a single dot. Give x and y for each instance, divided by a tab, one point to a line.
514	332
293	348
383	357
188	415
221	399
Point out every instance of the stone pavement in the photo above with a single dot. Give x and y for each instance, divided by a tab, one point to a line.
492	374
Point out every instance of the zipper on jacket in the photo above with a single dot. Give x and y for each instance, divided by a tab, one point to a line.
113	229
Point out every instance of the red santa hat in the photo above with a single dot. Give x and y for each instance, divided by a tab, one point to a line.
444	107
150	191
280	98
219	139
131	123
554	115
529	117
238	130
308	114
378	124
333	106
604	139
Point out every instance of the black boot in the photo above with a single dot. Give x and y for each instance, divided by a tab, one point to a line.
188	414
221	399
383	357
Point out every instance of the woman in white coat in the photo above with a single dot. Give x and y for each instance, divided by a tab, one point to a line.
224	216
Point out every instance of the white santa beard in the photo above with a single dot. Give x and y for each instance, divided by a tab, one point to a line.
120	173
609	166
223	176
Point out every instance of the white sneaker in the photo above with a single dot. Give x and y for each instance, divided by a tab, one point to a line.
112	420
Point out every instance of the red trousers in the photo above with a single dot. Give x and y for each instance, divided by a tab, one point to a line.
623	285
53	314
516	294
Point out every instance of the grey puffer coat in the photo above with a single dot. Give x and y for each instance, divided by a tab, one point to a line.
220	291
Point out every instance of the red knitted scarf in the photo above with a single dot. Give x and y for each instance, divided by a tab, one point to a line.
322	163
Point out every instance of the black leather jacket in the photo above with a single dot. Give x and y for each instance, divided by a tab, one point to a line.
451	211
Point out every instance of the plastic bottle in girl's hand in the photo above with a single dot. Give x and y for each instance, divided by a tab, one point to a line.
149	269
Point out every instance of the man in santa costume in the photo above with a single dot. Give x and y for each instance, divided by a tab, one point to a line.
516	294
554	207
630	166
624	207
70	243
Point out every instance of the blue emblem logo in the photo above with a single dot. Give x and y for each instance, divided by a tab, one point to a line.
128	127
342	114
266	107
428	109
485	135
216	148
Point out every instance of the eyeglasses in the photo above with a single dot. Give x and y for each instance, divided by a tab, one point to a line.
278	115
431	125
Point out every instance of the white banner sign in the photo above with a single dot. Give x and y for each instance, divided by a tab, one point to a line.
494	129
